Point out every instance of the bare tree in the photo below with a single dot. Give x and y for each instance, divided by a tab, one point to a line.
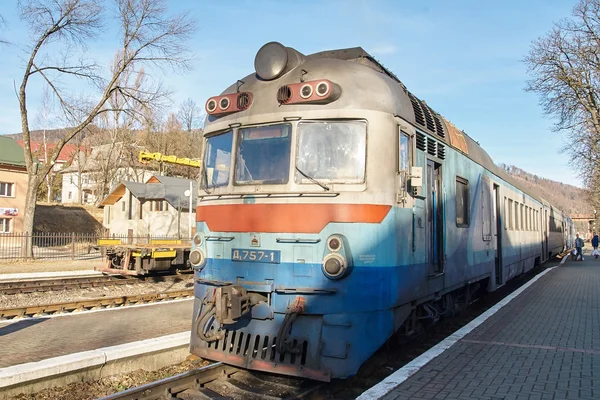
117	144
565	69
2	23
190	115
147	36
168	136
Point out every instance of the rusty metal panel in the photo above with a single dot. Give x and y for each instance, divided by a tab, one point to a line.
457	139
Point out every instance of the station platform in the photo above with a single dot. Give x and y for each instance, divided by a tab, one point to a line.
542	344
36	339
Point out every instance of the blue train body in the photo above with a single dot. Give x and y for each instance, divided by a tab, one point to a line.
310	275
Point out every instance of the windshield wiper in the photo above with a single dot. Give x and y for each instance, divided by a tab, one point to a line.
313	180
205	176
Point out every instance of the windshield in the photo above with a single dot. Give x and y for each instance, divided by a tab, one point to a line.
263	154
332	151
218	159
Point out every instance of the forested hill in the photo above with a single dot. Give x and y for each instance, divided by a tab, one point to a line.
568	198
52	135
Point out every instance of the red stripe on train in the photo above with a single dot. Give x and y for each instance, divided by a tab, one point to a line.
291	218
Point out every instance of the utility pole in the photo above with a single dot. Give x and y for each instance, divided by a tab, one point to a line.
189	194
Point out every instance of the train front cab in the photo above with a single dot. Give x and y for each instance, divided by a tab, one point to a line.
285	314
312	270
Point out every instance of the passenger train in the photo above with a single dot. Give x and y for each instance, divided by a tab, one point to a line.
336	208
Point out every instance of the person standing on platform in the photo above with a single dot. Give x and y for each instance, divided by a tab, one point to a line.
579	247
595	245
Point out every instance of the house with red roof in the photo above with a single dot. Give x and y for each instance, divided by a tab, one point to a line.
13	185
66	155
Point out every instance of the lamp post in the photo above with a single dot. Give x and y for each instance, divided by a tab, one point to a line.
189	194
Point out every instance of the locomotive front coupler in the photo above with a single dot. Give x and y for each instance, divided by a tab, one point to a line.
224	305
232	302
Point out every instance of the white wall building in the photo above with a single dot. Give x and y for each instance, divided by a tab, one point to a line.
158	207
92	174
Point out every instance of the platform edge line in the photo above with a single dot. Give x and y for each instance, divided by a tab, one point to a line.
401	375
27	372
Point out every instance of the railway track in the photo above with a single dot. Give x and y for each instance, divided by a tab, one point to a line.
56	284
220	381
91	304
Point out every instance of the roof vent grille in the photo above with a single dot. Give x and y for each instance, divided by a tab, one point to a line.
431	147
441	151
419	118
421	141
428	117
438	124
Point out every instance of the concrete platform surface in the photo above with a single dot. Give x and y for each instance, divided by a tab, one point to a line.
36	339
32	266
49	275
544	344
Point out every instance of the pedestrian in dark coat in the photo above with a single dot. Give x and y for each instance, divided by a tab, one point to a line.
579	247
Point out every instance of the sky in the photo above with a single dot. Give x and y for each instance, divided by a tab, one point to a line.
464	58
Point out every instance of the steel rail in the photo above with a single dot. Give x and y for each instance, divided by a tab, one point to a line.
219	381
69	283
52	284
30	311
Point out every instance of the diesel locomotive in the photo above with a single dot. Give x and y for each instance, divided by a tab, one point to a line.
337	208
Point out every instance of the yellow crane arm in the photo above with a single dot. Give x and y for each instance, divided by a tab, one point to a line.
146	157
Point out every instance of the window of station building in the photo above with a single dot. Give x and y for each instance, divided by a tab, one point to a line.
462	203
5	225
516	216
123	205
510	214
158	205
6	189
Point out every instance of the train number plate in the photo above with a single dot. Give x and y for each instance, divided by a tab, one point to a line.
265	256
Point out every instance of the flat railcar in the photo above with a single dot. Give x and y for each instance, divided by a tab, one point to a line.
337	208
158	256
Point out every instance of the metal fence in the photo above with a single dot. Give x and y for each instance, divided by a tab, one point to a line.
70	246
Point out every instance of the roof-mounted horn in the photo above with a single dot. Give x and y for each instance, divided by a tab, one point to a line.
274	59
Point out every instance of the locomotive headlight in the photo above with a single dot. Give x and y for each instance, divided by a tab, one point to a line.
322	89
334	243
196	257
197	239
224	103
334	266
306	91
211	105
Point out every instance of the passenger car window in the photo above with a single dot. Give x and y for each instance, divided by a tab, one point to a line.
462	203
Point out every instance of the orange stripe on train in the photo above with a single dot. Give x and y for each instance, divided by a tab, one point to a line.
290	218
